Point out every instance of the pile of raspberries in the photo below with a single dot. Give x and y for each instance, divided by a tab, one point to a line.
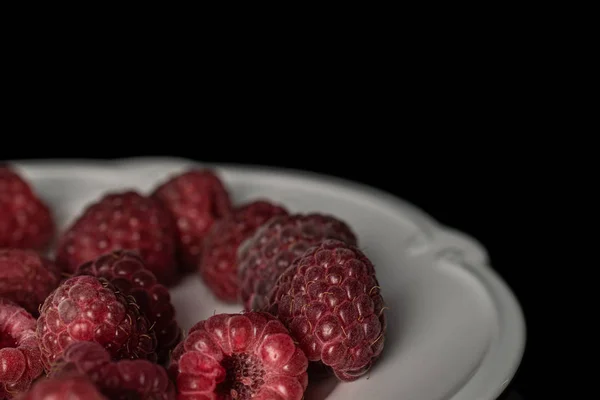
86	313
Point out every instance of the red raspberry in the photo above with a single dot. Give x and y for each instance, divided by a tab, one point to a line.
25	220
20	361
71	387
218	265
195	199
117	380
27	278
331	302
128	221
239	356
126	271
276	244
85	308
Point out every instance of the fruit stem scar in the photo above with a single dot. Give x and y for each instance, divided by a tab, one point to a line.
246	381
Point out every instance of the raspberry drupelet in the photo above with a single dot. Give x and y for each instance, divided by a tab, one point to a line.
86	308
20	358
27	278
276	244
127	272
331	302
117	380
72	387
122	221
219	264
239	357
195	198
26	221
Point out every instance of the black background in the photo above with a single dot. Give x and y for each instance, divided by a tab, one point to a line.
481	188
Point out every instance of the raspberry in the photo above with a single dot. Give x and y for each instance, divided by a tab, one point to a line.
117	380
124	220
68	387
218	266
27	278
331	302
276	244
20	361
239	356
25	220
85	308
196	199
126	271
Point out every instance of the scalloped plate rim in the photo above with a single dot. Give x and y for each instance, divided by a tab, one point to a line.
507	305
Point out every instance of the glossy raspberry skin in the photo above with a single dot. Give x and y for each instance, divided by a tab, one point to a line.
127	272
239	356
20	359
72	387
330	300
218	265
27	278
122	221
196	199
85	308
276	244
117	380
26	221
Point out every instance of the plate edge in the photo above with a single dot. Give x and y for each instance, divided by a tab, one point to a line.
476	255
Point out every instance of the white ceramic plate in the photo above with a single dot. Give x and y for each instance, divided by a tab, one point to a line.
455	330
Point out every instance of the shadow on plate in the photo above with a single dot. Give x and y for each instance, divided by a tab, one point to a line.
320	389
321	382
398	317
